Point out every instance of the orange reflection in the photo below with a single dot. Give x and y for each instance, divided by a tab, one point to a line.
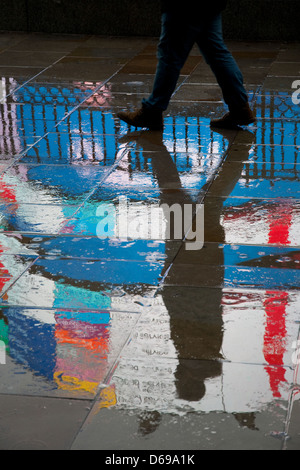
82	350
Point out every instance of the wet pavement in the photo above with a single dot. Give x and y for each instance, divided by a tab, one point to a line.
134	342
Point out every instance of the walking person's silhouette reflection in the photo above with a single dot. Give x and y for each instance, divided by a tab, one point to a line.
196	322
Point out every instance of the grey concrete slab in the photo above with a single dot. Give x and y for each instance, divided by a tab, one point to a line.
113	430
53	425
28	58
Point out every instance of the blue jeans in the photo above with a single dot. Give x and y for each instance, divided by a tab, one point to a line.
177	39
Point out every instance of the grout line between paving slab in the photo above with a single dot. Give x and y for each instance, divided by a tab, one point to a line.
32	78
103	178
19	276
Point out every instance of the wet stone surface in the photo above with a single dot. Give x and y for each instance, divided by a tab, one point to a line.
115	333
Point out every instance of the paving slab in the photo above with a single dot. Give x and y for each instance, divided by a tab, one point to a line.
53	423
154	432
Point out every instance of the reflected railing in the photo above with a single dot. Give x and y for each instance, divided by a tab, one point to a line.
78	126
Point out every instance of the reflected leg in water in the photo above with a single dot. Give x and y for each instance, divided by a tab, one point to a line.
173	195
196	316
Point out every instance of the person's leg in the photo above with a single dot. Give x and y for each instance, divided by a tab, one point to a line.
211	44
176	41
219	58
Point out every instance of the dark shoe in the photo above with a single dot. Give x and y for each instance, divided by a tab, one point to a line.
232	120
143	117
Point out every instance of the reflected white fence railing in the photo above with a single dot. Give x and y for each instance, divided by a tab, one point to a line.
88	134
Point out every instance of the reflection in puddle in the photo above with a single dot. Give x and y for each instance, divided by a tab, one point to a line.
269	222
227	346
91	312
